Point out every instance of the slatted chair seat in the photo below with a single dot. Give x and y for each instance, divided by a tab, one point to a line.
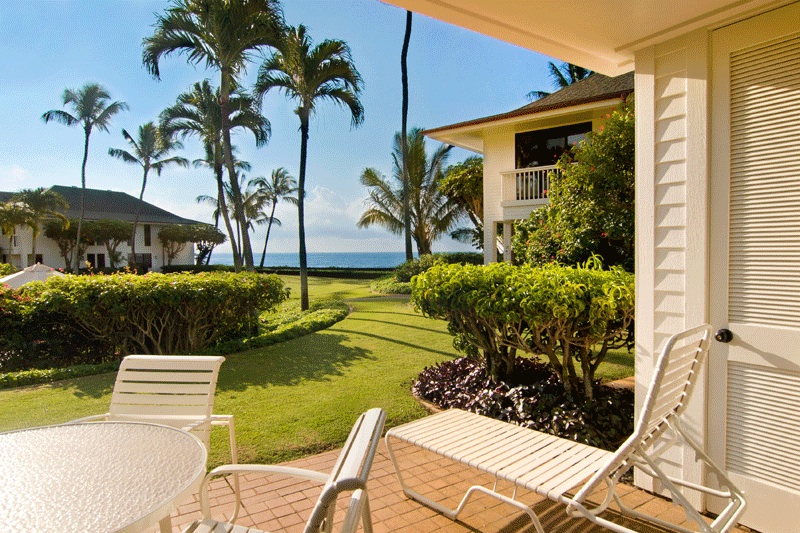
568	472
349	475
173	390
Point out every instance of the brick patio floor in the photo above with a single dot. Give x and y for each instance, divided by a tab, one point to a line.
279	504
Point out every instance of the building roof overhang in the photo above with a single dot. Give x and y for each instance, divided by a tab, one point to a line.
602	35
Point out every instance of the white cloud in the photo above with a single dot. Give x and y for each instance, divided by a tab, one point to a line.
13	177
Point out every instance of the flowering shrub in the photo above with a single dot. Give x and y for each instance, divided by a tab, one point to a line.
570	315
90	319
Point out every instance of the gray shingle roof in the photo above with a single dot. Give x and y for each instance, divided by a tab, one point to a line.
595	88
111	204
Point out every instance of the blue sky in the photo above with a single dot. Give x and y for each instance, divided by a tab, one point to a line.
47	46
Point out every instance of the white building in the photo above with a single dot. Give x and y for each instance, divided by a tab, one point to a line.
717	207
520	149
16	249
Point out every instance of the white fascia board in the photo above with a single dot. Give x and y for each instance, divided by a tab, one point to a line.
470	137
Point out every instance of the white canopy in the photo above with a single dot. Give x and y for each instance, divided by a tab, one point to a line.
37	272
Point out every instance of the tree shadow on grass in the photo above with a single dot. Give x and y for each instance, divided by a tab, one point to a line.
311	357
95	386
400	324
396	341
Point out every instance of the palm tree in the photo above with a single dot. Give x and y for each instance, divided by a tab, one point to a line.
223	34
310	74
561	76
40	203
280	186
91	109
13	214
197	113
251	211
432	213
404	135
150	152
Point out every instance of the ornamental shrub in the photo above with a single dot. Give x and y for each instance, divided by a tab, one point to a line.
569	315
6	269
158	313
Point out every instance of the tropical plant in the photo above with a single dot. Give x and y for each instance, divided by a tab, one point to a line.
40	203
66	238
205	238
111	233
561	76
150	151
279	186
463	185
222	34
91	108
173	239
591	209
404	136
310	74
432	213
197	113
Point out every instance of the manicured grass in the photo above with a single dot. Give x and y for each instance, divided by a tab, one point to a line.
298	397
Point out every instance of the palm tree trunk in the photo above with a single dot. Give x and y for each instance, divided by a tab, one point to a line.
33	247
269	227
138	213
238	207
88	131
216	226
301	193
404	136
223	208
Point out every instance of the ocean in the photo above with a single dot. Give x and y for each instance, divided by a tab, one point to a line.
323	259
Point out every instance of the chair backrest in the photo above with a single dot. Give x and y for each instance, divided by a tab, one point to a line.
350	474
674	378
174	390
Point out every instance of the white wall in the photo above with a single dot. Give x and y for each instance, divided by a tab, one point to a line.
671	215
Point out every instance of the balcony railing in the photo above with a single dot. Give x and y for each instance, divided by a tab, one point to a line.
529	185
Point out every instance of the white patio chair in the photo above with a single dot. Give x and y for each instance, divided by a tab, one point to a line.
555	468
349	474
173	390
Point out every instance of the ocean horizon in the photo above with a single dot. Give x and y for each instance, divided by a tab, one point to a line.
322	259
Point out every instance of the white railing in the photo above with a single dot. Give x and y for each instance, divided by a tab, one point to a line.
527	184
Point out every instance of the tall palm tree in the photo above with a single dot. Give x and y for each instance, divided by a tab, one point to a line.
432	213
40	203
280	186
197	113
561	76
91	109
310	74
150	152
404	135
223	34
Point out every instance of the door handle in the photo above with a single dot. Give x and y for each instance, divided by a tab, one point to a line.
724	335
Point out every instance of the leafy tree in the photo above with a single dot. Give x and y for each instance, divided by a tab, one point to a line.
66	238
310	74
111	233
197	113
591	209
173	239
432	213
280	186
222	34
91	109
40	203
561	76
150	151
13	214
205	238
463	185
404	136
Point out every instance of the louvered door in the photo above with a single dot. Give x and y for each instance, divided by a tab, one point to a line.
754	387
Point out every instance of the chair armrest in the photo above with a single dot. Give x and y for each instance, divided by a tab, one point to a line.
91	418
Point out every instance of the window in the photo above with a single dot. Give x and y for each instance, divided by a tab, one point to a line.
96	260
544	147
147	239
38	259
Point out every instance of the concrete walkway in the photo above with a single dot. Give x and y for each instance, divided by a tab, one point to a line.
273	504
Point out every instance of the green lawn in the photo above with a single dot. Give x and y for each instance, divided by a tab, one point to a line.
297	397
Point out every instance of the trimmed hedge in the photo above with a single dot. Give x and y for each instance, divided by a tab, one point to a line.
37	376
90	319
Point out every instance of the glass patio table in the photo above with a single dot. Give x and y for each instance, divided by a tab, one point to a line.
97	477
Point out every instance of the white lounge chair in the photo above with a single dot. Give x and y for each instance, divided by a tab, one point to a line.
558	469
173	390
349	474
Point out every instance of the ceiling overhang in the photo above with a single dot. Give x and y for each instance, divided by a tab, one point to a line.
602	35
